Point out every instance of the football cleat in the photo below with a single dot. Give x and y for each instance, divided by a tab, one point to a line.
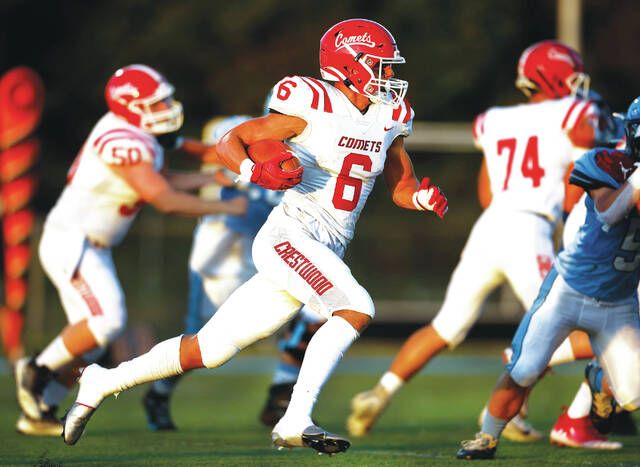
482	447
48	425
518	429
31	380
624	423
156	407
603	405
366	407
75	421
579	433
277	403
312	437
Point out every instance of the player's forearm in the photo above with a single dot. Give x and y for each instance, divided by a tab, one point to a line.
231	151
184	204
187	181
403	195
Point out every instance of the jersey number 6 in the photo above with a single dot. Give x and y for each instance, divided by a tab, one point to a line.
348	188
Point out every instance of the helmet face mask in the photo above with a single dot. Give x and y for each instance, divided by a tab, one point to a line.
357	52
132	94
632	128
553	69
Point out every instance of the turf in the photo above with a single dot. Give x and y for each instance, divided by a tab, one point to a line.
217	417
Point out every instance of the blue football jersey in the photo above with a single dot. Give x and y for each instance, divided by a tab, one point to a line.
261	202
603	262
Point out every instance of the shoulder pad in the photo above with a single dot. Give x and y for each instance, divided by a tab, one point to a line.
578	110
123	147
602	167
299	95
402	116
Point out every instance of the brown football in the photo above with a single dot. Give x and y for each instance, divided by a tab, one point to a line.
266	149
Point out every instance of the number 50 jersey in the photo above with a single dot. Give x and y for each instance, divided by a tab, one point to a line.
528	150
342	151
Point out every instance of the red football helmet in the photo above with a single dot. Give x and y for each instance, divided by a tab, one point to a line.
356	51
552	68
131	94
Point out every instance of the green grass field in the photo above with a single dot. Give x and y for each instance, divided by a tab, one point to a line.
217	416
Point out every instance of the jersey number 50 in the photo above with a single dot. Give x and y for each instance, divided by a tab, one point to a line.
348	188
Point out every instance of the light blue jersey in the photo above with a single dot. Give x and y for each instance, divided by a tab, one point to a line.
261	202
603	262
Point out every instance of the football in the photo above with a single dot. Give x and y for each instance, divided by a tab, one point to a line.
264	150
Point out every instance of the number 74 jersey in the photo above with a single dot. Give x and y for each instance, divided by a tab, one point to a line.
528	150
342	151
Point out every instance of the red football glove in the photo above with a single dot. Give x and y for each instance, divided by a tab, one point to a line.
430	198
270	175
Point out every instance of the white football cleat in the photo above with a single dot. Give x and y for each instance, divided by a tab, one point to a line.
90	396
312	436
48	425
366	407
75	421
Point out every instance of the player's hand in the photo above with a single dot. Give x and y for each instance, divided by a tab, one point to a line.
236	206
430	197
269	174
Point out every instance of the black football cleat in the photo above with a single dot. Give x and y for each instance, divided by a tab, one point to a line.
276	404
482	447
324	442
603	405
31	380
156	407
624	423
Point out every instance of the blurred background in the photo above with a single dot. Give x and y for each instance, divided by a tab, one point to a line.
223	57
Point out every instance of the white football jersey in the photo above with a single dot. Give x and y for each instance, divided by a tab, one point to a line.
528	151
95	200
341	149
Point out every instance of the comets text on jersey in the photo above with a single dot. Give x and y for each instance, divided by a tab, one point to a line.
359	144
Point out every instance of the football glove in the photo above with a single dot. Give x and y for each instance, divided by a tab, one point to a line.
429	197
270	175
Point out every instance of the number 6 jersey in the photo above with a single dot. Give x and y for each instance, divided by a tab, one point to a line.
96	201
528	150
341	149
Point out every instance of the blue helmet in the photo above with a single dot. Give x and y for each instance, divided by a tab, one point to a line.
632	127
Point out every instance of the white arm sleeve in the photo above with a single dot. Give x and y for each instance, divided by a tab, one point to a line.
619	208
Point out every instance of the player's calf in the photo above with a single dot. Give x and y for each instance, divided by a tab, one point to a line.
603	404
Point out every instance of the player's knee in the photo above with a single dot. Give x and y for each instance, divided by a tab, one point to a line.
525	375
106	328
361	302
449	331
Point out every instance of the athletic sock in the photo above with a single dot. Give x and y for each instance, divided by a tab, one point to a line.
165	386
390	382
53	394
162	361
493	425
581	404
55	355
323	354
563	354
285	373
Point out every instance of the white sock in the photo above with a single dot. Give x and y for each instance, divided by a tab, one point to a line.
581	403
161	361
391	382
53	394
55	355
563	354
323	354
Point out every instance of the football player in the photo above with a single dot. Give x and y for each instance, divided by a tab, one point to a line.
346	129
592	286
117	170
219	263
528	149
